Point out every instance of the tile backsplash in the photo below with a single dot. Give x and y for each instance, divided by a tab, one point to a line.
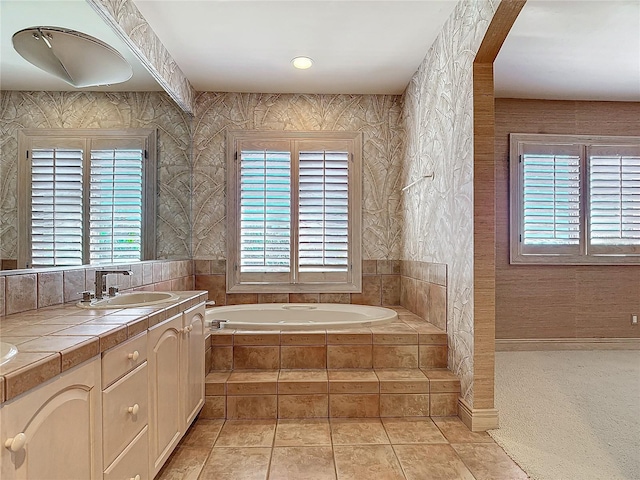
23	290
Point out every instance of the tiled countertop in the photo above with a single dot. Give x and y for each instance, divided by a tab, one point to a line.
54	339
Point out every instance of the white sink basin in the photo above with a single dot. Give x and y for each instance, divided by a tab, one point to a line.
131	300
7	352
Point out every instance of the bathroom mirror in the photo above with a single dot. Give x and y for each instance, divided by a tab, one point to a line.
33	99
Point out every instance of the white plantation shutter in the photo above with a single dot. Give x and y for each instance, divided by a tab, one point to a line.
85	196
115	203
265	213
551	198
323	223
575	199
56	206
614	198
293	212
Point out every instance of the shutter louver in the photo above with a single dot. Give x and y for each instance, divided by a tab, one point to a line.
115	205
265	211
551	199
323	233
56	207
614	199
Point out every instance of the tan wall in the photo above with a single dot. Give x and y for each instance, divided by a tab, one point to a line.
558	301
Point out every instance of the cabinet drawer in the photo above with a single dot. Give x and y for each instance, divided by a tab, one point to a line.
119	424
134	460
123	358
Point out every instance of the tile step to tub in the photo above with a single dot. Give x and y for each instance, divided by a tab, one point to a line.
321	393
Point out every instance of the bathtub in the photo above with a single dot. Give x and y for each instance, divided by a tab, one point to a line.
299	316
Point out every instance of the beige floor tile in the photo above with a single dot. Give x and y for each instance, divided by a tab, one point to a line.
358	431
247	433
457	432
354	406
353	381
487	461
302	432
363	462
412	430
303	406
203	433
237	464
402	381
302	382
433	462
302	463
252	406
252	382
184	464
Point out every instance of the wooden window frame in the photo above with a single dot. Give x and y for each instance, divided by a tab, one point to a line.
585	253
353	284
26	137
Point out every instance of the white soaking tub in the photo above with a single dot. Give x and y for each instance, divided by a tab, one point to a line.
299	316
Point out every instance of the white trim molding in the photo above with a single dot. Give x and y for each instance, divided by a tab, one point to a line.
477	419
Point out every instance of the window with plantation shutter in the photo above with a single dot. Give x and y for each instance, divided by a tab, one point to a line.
294	212
575	199
86	197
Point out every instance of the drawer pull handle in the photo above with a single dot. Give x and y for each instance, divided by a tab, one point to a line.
134	356
134	410
16	443
137	477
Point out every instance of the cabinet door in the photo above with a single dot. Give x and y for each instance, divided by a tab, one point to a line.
165	406
193	363
61	424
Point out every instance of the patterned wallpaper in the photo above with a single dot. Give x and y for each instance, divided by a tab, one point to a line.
438	213
377	116
127	21
103	110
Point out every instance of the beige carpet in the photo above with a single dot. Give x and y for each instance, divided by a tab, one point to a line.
568	415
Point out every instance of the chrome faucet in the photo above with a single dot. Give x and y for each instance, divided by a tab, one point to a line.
101	280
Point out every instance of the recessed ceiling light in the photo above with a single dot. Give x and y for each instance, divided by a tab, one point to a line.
302	62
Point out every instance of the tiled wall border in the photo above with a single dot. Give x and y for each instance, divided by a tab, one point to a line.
24	290
380	286
423	290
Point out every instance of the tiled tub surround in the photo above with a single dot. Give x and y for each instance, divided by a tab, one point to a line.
24	290
55	339
420	287
391	371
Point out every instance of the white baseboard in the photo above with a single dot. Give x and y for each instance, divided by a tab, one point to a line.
523	344
477	419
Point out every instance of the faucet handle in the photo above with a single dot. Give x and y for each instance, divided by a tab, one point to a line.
113	291
87	295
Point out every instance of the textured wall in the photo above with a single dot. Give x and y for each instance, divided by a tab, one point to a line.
103	110
438	213
377	116
568	301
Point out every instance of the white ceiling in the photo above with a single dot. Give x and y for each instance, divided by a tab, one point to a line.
572	50
18	74
557	49
247	46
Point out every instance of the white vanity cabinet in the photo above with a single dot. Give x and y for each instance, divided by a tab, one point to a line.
193	363
176	381
165	377
54	431
125	407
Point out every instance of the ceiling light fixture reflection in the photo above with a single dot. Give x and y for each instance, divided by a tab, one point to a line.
302	62
75	57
